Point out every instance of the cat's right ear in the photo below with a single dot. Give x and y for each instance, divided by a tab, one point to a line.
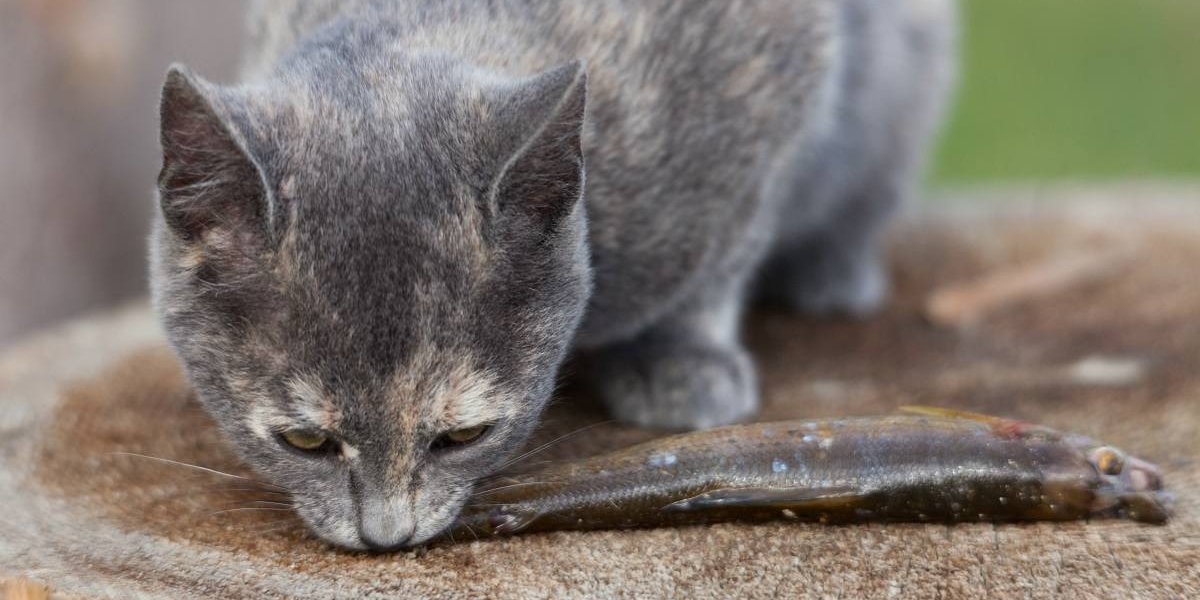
540	174
208	178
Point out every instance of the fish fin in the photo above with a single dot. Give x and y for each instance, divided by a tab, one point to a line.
509	522
747	497
999	424
953	413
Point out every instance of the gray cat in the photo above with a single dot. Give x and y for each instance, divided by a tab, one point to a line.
374	254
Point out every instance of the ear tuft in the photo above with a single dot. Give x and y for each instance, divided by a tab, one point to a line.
543	177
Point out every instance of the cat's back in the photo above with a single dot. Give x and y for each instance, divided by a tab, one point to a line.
646	61
688	103
614	32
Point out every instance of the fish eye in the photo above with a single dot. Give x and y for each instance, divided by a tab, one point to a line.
306	440
1108	461
461	437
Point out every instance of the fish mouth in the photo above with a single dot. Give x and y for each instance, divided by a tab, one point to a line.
1144	498
1141	476
1130	488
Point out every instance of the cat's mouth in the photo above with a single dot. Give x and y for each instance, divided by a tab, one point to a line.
347	533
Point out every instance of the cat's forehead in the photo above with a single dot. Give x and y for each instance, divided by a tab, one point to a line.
371	166
369	120
364	298
318	142
370	203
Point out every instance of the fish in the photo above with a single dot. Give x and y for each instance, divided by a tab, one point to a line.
922	465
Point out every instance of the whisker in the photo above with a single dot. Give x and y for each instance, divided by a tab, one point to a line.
183	496
287	505
505	487
472	530
530	464
200	468
260	491
281	525
246	508
552	442
276	517
220	490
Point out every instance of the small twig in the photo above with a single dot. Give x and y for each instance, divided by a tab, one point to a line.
968	302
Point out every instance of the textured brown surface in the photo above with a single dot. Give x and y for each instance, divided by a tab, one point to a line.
1116	358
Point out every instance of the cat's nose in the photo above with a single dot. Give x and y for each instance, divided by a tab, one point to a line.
386	546
386	525
386	539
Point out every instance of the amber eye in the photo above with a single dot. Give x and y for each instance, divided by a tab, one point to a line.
461	437
1109	461
306	440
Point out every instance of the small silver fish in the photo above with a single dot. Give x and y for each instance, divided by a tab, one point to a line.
931	465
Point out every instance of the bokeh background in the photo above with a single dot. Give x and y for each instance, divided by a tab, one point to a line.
1052	91
1076	89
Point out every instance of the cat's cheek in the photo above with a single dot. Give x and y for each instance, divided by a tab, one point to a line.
336	529
437	515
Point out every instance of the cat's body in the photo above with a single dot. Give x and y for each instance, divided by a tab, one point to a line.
380	236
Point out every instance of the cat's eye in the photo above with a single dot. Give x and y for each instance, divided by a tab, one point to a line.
461	437
306	440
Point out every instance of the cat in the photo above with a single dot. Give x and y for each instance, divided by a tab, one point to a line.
374	253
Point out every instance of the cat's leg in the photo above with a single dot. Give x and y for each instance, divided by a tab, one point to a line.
839	266
865	155
688	371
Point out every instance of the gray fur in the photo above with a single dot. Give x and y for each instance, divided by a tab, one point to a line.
385	232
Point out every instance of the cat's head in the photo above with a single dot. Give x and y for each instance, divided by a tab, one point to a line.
372	274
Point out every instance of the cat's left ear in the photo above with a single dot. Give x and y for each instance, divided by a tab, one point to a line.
541	172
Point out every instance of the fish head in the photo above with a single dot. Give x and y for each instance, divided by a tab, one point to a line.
1120	485
1128	486
493	520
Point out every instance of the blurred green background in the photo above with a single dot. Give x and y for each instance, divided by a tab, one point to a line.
1075	89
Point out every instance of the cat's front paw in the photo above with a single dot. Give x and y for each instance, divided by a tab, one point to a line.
678	387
